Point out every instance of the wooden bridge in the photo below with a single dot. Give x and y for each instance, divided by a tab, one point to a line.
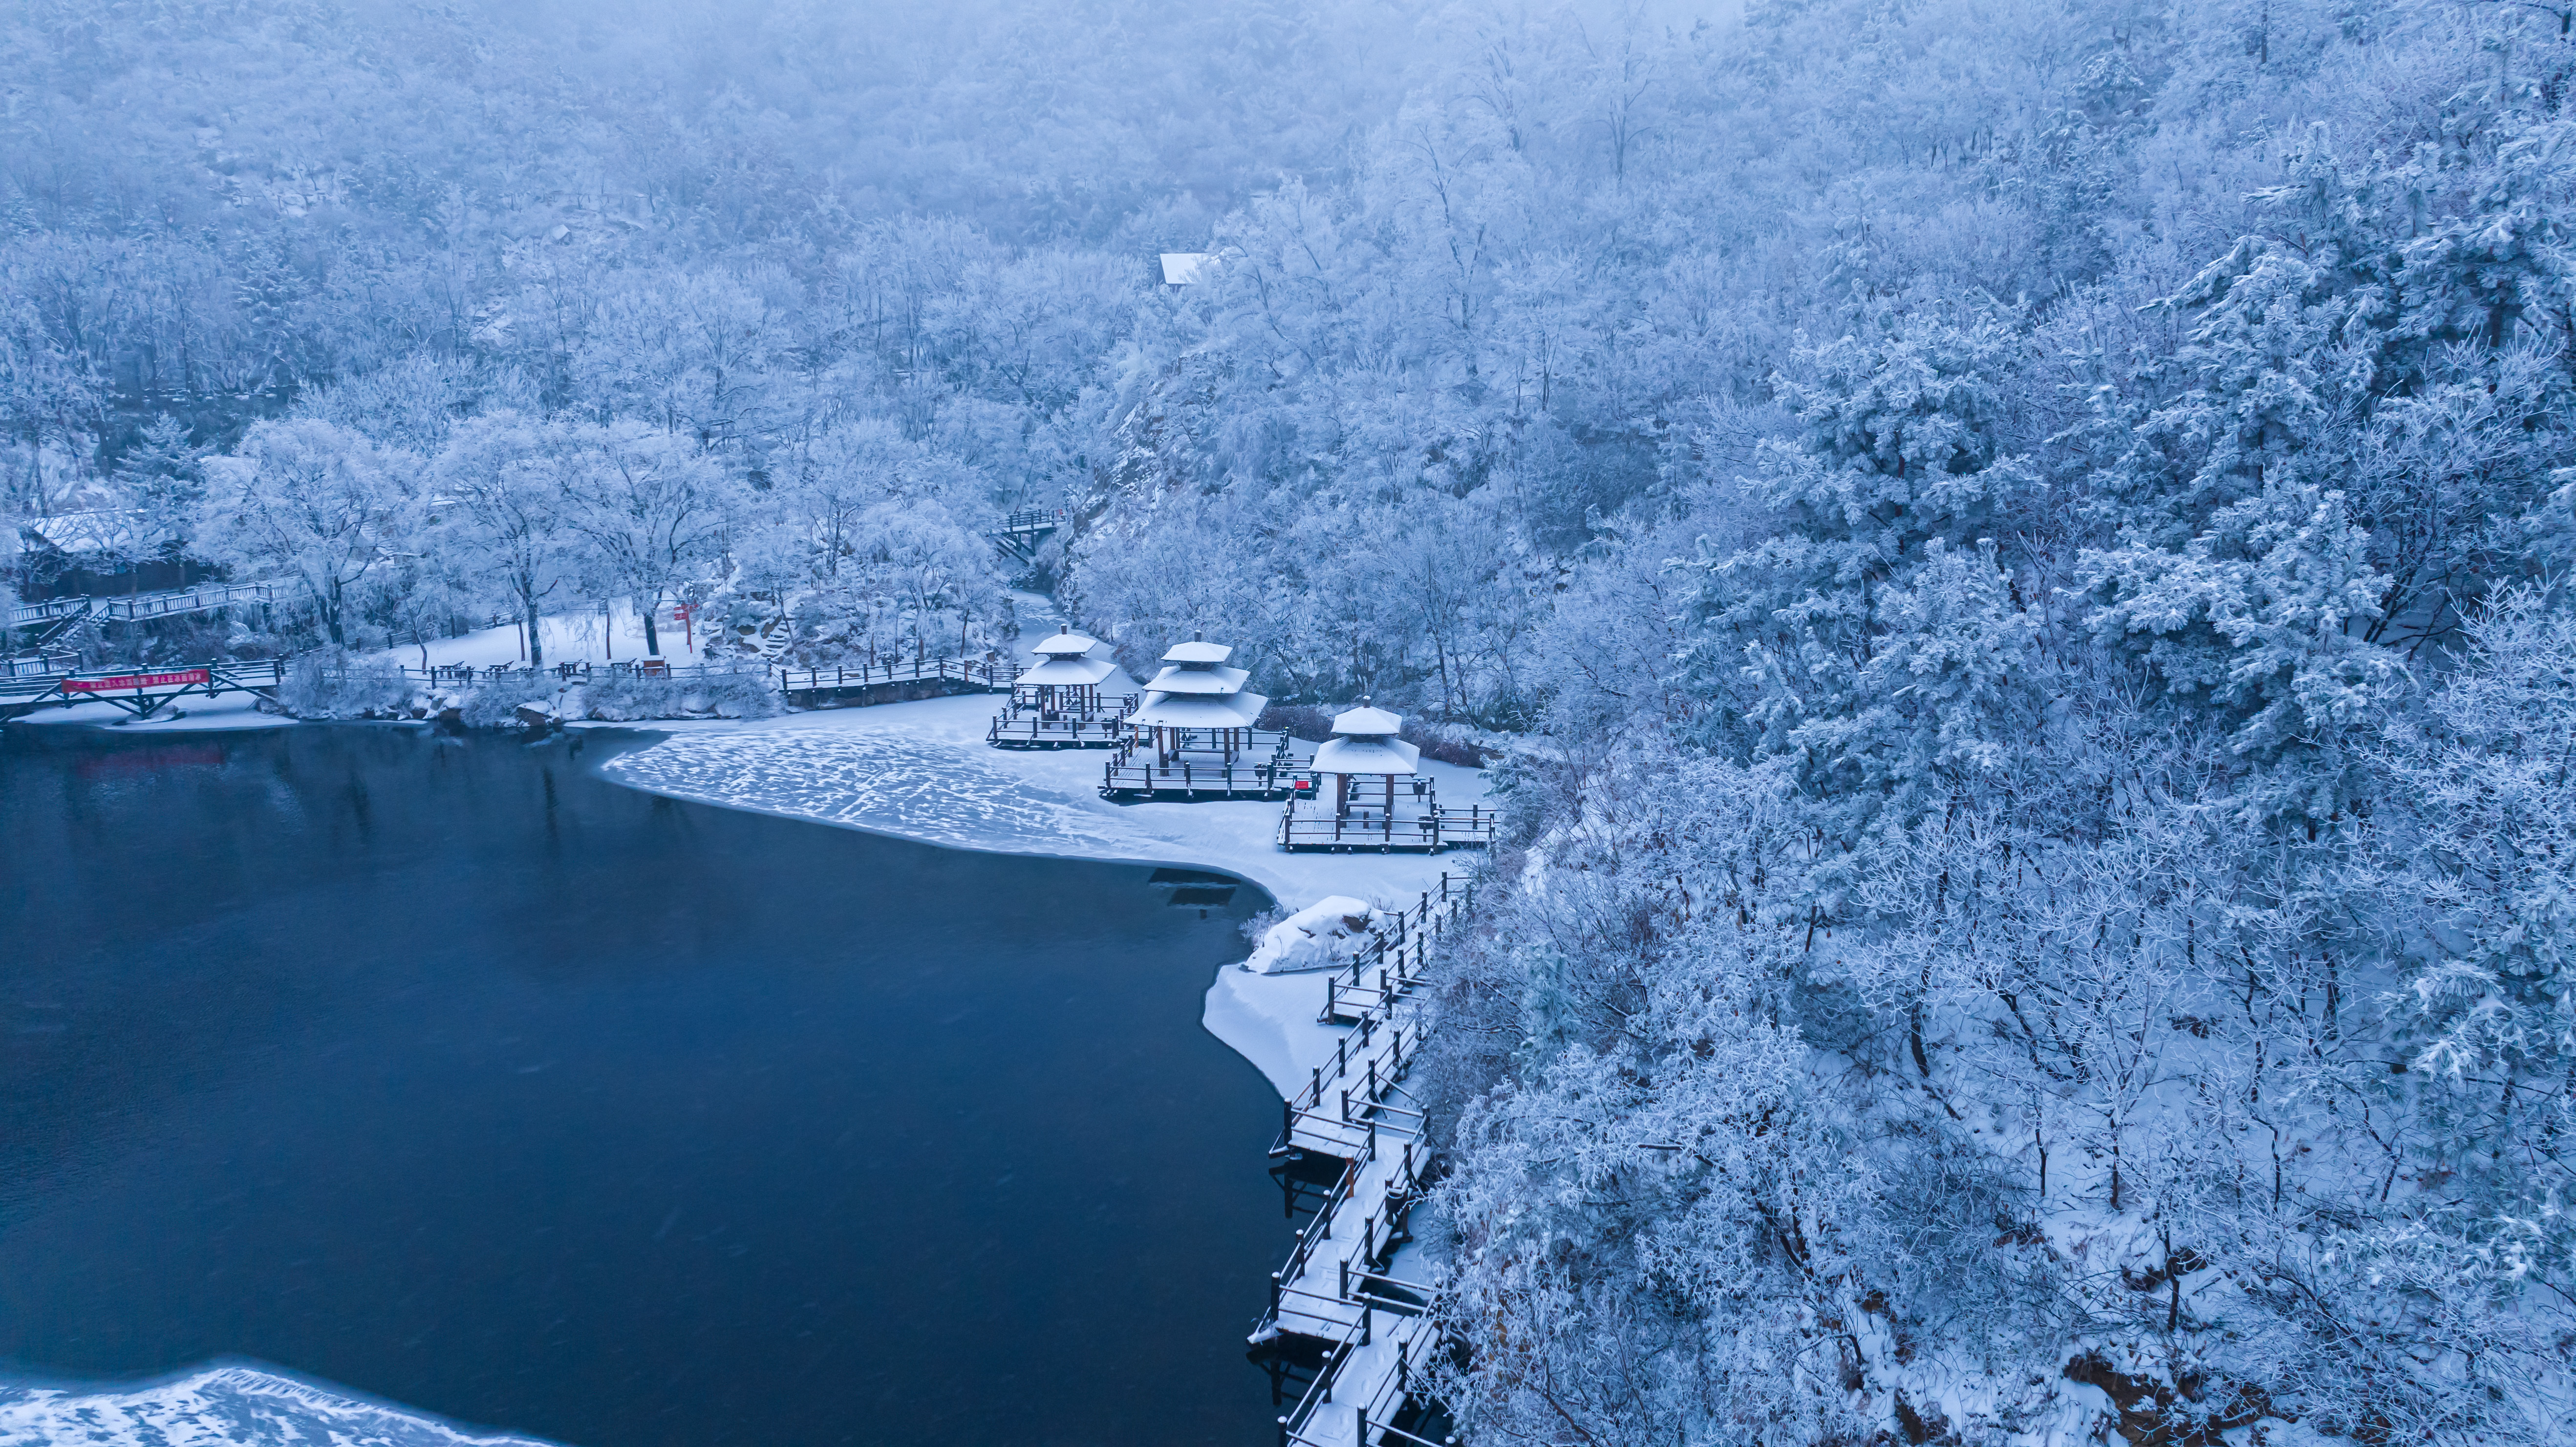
1024	531
140	691
885	682
1337	1312
894	680
61	618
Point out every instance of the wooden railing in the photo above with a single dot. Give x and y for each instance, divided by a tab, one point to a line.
1431	830
976	671
38	665
790	681
1333	1287
166	603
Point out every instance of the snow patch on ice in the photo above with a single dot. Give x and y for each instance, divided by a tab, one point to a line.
916	787
224	1406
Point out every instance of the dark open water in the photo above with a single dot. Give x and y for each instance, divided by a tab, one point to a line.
447	1071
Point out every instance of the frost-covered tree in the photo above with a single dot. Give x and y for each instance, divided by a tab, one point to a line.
314	505
505	511
653	508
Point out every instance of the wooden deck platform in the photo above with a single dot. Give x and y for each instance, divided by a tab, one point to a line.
1269	769
1184	782
1023	726
1314	828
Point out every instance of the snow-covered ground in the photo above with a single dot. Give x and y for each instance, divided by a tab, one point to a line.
225	1406
584	637
923	771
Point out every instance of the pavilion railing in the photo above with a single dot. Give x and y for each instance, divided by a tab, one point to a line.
1317	825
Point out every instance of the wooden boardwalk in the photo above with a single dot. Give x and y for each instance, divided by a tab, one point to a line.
1336	1299
893	681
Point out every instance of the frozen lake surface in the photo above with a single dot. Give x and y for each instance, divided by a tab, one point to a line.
448	1072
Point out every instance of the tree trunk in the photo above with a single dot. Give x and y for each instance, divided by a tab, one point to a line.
652	638
536	640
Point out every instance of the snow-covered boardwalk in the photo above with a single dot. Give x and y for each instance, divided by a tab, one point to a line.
1343	1289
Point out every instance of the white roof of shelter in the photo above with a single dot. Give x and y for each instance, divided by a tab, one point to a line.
1195	651
1367	755
1058	672
1231	711
1366	721
1181	268
1065	645
1200	680
105	530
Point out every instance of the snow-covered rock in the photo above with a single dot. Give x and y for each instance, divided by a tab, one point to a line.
1322	936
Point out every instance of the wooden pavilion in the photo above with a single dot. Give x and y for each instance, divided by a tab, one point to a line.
1197	707
1379	797
1057	703
1193	736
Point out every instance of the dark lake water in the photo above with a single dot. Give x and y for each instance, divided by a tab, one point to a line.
448	1071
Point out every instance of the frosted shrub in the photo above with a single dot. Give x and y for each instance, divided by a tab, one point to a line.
496	703
628	697
334	686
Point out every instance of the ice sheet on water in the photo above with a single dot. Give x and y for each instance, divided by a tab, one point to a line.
918	787
223	1406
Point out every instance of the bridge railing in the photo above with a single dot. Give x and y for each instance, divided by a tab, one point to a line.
38	665
1433	829
1367	1375
987	674
139	607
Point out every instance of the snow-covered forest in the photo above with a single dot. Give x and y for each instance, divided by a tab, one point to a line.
2019	547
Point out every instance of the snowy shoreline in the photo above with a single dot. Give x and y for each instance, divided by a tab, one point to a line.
922	771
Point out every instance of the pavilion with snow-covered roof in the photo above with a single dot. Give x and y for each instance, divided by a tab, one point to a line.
1057	702
1067	678
1197	704
1366	757
1380	798
1193	736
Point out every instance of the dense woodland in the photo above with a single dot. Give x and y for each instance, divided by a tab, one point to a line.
2020	548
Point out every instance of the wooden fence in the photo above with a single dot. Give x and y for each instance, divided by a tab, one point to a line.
1334	1288
1319	829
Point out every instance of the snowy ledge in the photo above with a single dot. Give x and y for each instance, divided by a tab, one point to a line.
922	771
